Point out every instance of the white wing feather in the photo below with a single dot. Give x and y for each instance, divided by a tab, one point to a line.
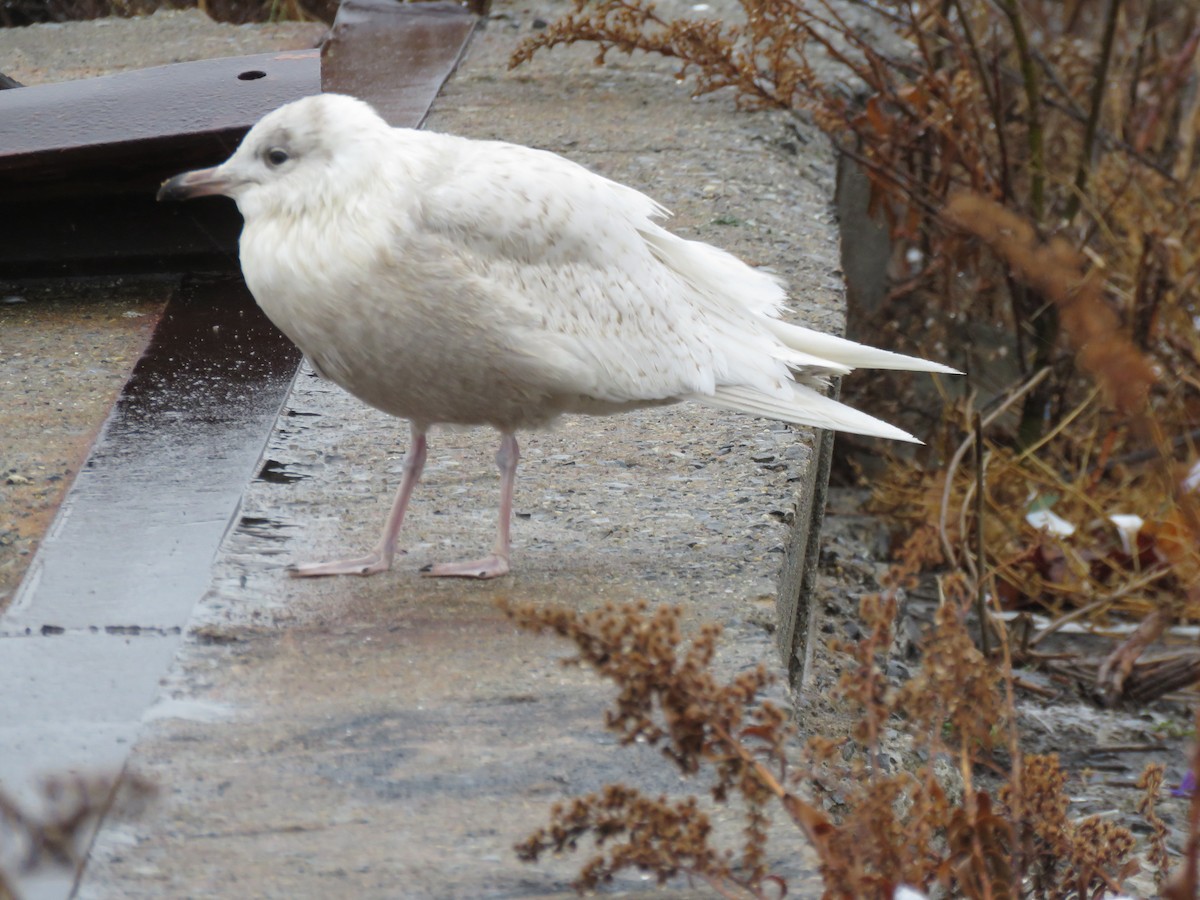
644	314
806	407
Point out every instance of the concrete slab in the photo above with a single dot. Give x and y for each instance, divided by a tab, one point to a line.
82	698
392	736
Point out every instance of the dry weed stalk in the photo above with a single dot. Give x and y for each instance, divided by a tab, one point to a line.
71	807
1161	562
671	700
888	825
1056	270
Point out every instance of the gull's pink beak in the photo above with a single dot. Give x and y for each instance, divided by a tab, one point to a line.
200	183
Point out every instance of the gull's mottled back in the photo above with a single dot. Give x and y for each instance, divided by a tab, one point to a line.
453	281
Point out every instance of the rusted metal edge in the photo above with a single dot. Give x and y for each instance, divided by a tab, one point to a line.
134	540
422	43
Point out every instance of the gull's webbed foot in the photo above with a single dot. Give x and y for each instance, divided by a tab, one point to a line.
489	567
362	565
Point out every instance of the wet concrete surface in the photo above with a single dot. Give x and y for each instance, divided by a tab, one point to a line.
188	423
65	352
394	736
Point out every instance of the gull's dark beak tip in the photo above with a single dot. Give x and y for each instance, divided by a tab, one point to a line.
169	190
200	183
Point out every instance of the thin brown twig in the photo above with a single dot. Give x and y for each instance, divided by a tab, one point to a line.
1095	104
956	459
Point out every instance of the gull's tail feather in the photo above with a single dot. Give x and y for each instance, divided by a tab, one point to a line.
806	407
848	354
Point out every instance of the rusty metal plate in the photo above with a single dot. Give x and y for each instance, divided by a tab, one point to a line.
80	162
417	44
114	235
118	125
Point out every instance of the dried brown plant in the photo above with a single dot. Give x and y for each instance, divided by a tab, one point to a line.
1036	163
1150	784
670	699
890	824
1057	271
1066	858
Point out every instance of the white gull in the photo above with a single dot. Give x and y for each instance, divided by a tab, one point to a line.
454	281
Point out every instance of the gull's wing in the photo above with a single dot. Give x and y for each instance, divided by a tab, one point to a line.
574	253
622	310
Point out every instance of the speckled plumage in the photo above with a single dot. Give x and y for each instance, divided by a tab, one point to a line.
447	280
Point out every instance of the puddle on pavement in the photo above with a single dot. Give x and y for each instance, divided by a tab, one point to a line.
66	350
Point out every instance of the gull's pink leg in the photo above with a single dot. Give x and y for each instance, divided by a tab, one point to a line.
379	559
497	564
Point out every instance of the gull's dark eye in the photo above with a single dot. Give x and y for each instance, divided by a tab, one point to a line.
277	156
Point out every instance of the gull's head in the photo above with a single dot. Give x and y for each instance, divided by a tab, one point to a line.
303	154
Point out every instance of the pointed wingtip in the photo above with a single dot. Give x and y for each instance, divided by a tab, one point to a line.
805	407
888	432
888	359
938	368
845	353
